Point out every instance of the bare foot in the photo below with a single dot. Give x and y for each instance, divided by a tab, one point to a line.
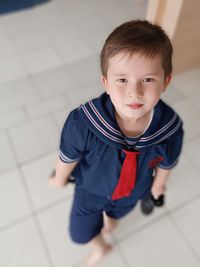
97	256
109	224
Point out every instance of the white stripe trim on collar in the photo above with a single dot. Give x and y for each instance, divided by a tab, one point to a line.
108	126
96	125
164	137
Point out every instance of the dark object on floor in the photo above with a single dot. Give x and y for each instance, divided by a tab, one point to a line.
71	178
148	204
16	5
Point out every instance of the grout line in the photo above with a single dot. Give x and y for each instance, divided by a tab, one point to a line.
16	222
31	205
140	228
184	237
24	110
146	225
30	76
35	219
36	118
34	213
121	254
183	204
56	124
33	160
193	164
43	241
47	207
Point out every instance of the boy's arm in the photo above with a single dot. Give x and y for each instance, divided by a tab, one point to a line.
62	173
158	188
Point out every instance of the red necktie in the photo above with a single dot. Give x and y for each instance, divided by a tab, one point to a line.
127	177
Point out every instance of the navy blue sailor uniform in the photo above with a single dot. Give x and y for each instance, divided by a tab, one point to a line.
92	137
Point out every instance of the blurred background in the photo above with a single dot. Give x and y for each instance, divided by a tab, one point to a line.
49	64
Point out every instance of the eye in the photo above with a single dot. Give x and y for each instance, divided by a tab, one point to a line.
122	81
147	80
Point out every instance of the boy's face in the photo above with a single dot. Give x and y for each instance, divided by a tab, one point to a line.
135	84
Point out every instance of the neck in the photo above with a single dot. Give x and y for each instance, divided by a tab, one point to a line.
132	127
125	120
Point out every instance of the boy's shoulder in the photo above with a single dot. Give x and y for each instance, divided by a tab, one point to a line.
166	121
164	113
75	113
165	109
77	117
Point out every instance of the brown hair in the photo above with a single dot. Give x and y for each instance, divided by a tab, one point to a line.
138	36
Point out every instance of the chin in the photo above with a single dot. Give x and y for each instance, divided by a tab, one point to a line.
131	116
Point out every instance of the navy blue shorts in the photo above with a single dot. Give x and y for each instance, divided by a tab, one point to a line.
86	219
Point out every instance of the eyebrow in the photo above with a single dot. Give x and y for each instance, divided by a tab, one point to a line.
116	74
147	74
153	74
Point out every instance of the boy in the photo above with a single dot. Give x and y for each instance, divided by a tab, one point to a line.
122	145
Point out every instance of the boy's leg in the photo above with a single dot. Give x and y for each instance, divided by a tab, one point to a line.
109	224
100	249
85	228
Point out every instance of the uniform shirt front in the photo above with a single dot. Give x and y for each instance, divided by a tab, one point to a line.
92	136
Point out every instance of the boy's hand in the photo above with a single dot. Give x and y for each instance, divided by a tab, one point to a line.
56	182
158	190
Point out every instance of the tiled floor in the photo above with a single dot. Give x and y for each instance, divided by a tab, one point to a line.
49	64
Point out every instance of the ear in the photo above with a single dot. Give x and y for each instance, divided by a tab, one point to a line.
105	84
167	81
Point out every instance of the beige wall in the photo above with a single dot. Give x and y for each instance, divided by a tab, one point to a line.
181	20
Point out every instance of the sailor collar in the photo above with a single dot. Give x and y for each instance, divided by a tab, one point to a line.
99	115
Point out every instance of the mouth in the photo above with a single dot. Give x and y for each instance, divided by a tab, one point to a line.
135	105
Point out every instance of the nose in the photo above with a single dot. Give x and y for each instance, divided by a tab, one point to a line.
135	90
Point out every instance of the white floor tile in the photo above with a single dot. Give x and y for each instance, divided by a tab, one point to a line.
46	107
34	139
158	245
194	99
187	83
130	11
192	151
54	82
7	48
36	175
48	15
135	220
61	116
31	40
99	38
7	157
16	94
54	223
189	116
42	59
13	200
183	184
188	221
20	22
83	95
171	95
77	11
72	51
86	71
62	32
12	69
2	31
11	118
21	246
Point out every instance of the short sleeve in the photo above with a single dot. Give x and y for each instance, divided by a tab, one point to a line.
73	138
170	151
